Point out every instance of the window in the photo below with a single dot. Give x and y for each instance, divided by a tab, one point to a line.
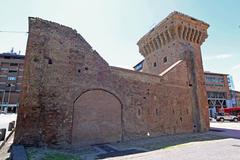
139	112
154	64
12	78
214	79
13	64
49	61
157	112
216	95
4	69
12	71
164	59
5	64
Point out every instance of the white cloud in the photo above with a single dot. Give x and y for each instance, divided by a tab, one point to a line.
223	56
220	56
236	67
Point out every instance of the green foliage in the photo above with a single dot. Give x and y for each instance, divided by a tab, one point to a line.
59	156
50	154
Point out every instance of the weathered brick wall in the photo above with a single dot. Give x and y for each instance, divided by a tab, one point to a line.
60	66
152	105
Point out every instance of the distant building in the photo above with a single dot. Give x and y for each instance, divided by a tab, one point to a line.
230	82
218	92
11	74
235	96
138	67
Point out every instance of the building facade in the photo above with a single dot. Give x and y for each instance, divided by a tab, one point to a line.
11	75
230	82
235	97
71	96
218	92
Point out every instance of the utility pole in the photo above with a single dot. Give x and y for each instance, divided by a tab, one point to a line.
3	97
9	94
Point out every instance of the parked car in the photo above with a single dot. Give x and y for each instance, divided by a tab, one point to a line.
238	116
226	117
2	112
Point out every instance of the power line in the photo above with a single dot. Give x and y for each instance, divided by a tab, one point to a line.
13	32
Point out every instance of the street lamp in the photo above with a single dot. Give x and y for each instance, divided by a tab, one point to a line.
9	94
3	96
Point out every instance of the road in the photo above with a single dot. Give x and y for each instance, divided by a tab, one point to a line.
229	129
227	147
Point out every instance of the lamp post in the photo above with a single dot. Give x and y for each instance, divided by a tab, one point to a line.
3	97
9	94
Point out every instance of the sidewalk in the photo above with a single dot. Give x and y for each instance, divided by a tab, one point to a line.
5	119
4	154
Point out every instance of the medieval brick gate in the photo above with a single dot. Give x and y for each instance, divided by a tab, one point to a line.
97	118
60	62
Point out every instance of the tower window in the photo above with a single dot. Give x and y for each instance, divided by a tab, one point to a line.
157	112
49	61
139	112
164	59
154	64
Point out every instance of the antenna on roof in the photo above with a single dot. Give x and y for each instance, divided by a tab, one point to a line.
12	50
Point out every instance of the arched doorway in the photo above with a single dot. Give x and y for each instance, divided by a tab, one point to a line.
96	118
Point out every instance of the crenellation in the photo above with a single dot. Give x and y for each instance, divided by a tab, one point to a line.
195	36
155	43
199	37
188	34
184	33
191	35
183	28
152	46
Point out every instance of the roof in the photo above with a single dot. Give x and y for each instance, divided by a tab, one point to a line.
235	91
174	15
222	74
138	64
12	55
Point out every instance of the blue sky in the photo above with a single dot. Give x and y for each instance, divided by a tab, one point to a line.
113	27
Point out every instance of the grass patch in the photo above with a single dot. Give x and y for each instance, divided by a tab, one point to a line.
50	154
59	156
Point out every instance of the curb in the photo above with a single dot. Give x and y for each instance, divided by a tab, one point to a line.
6	139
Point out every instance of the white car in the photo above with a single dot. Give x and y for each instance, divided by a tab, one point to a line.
2	112
225	116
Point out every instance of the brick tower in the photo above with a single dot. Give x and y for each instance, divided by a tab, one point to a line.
179	37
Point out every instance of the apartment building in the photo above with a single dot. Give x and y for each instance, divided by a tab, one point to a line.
235	96
218	92
11	74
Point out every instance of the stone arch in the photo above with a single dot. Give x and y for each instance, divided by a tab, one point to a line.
97	118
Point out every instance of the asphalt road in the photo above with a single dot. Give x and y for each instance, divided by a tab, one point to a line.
227	147
229	129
